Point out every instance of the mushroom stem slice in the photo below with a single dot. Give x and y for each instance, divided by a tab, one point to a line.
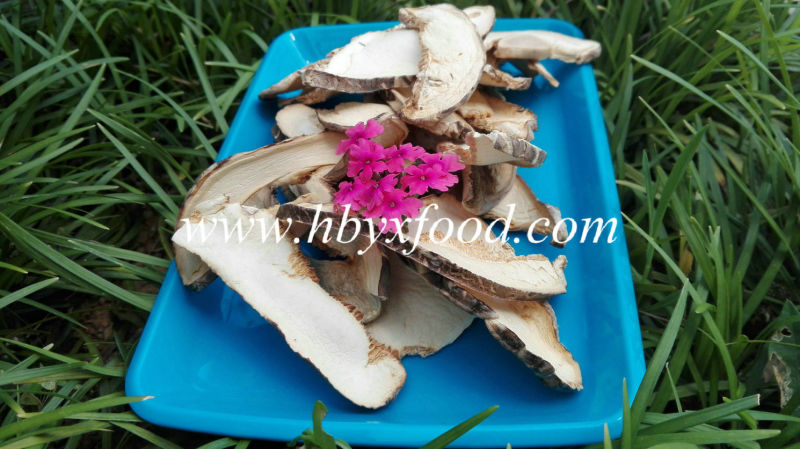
416	319
275	278
243	175
451	63
483	186
451	126
298	120
541	44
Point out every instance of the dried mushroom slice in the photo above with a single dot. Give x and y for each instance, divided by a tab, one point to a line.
316	187
491	268
298	120
527	209
349	114
244	175
528	329
451	63
309	95
483	186
275	278
483	17
291	82
497	147
541	44
416	319
451	126
360	282
491	75
372	61
509	118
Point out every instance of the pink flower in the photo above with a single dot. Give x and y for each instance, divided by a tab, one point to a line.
440	180
364	131
418	178
366	158
445	162
396	204
349	193
396	157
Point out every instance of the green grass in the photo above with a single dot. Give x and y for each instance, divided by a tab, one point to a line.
110	109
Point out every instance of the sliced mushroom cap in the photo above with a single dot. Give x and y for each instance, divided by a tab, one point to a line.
509	118
316	187
524	208
298	120
498	146
451	126
416	319
360	282
372	61
493	269
451	64
348	114
275	278
243	175
483	186
309	95
491	75
529	330
482	17
541	44
291	82
477	107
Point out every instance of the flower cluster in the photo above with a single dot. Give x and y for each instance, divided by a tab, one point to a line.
386	183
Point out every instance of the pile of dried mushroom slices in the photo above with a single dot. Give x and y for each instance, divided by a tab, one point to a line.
433	81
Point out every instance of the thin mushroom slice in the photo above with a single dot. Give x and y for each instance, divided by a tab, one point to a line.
291	82
298	120
309	95
372	61
451	126
541	44
524	208
483	17
483	186
360	282
491	75
275	278
511	119
532	67
451	64
316	187
491	268
349	114
528	329
416	319
246	175
497	146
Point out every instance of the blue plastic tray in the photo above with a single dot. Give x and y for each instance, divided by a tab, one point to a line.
213	365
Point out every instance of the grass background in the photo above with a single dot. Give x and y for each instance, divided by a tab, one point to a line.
109	109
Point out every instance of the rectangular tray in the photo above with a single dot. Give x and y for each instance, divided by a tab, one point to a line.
214	365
